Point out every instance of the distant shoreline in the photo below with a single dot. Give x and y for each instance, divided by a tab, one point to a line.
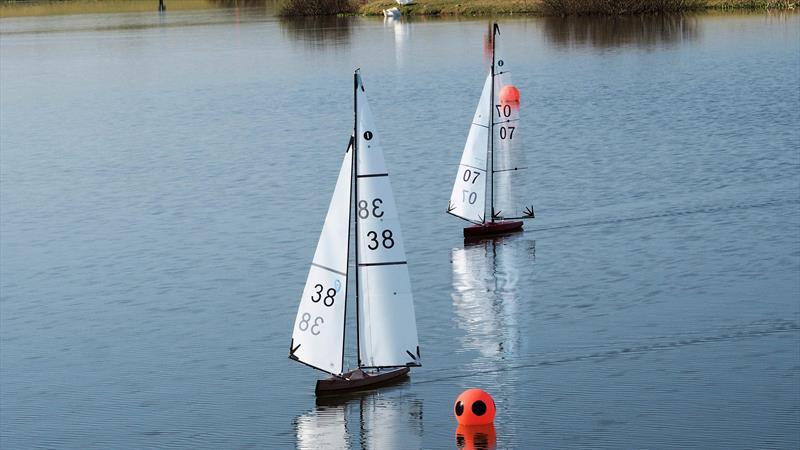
428	8
568	7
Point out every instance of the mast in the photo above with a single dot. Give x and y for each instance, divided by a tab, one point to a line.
355	200
495	30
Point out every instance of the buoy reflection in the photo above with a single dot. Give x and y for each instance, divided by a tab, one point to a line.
476	437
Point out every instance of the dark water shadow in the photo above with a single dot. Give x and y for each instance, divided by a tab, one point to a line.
646	31
318	31
387	419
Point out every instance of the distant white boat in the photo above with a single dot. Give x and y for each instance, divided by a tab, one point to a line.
405	2
391	12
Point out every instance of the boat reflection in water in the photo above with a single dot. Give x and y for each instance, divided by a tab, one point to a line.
476	437
366	420
485	296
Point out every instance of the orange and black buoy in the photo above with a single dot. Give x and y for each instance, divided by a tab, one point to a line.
474	407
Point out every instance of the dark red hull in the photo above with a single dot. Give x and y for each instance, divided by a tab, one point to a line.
356	380
493	228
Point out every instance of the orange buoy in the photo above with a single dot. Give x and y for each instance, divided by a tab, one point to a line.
474	407
476	437
509	94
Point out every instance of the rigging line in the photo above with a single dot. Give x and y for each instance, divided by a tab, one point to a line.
347	261
472	167
328	268
318	368
506	121
393	367
480	125
390	263
510	170
355	212
464	218
495	31
370	175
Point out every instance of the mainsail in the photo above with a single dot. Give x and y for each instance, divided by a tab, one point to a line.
509	176
387	330
318	334
468	199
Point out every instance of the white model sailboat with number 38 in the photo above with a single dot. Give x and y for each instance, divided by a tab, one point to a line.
386	330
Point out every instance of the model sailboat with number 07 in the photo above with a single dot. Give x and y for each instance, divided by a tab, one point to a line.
386	331
486	189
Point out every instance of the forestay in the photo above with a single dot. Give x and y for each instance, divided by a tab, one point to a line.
510	174
387	325
468	199
318	334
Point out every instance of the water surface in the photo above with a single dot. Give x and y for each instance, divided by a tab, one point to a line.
163	180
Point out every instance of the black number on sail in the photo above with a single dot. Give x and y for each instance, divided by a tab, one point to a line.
388	241
329	294
507	132
305	322
503	110
470	197
363	211
468	174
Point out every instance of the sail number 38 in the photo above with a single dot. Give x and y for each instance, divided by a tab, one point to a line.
364	210
328	299
305	323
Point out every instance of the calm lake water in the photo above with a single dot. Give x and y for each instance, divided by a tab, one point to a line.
164	178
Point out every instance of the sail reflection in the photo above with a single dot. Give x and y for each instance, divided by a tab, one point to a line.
370	420
325	427
486	274
614	31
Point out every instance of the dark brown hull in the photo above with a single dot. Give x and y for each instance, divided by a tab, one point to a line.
362	381
493	228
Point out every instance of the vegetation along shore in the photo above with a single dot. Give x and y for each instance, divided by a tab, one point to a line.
520	7
9	8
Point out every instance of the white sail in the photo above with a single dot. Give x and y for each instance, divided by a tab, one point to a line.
510	175
468	199
318	334
387	325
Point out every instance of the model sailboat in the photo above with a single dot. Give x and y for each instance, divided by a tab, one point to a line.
386	330
485	182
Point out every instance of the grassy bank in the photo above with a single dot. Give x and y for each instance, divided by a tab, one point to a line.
65	7
12	8
567	7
